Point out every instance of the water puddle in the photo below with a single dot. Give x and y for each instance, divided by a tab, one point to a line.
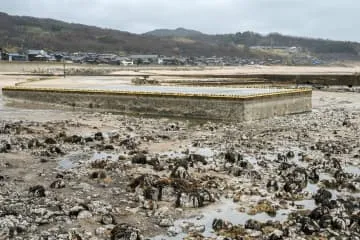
352	170
206	152
225	210
73	160
103	156
66	164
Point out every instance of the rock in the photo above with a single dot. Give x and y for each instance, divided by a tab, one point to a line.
233	157
197	228
107	219
173	127
73	235
98	175
101	231
125	231
74	211
58	184
149	204
84	215
309	226
122	157
219	224
272	186
139	159
347	122
172	231
99	136
37	191
186	225
253	224
109	147
314	176
276	235
166	222
50	141
75	139
255	234
197	158
290	154
88	139
322	195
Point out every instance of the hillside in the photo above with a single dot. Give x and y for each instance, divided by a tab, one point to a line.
49	34
179	32
317	46
35	33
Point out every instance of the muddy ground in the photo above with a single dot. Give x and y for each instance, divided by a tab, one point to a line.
66	174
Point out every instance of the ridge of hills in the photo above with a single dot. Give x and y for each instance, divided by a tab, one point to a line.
22	32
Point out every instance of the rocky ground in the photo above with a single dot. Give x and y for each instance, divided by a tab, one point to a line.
83	175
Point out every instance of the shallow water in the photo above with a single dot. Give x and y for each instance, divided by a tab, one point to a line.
206	152
72	160
352	169
227	210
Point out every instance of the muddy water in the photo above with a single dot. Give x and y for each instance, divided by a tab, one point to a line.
227	210
72	160
224	209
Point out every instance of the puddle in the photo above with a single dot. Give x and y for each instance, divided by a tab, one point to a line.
71	161
206	152
103	155
66	164
311	188
309	204
225	210
352	169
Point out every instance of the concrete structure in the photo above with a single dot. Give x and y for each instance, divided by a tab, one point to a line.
223	104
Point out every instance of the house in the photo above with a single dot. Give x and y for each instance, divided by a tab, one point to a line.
106	58
37	55
4	55
144	59
16	57
168	61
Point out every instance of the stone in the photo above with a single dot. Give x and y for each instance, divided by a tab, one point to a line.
166	222
84	215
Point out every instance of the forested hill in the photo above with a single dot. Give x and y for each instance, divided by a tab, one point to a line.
35	33
255	39
18	32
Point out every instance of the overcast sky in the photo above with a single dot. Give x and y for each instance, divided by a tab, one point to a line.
333	19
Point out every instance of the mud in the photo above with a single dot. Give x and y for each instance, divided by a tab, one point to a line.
87	175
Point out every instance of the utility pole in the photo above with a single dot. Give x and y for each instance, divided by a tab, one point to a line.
64	64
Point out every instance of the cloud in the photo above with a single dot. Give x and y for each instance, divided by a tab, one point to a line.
332	19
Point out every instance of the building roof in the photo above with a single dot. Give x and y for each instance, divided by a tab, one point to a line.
36	52
143	56
16	55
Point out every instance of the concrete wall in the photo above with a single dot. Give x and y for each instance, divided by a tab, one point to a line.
277	105
201	107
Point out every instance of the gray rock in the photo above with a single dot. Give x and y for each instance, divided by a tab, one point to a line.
166	222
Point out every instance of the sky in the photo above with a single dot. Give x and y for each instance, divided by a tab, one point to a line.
330	19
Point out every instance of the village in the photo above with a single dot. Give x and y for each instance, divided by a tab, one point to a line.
157	59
